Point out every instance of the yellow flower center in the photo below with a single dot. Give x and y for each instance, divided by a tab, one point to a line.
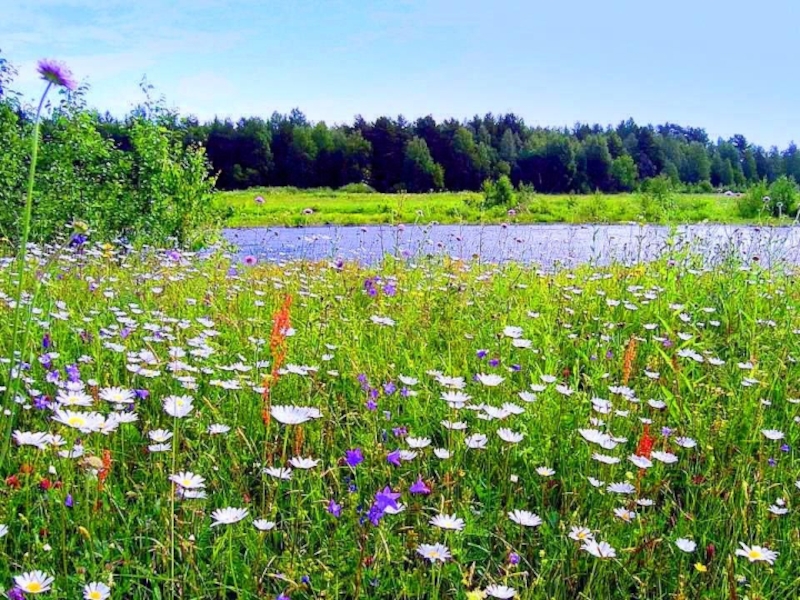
754	554
76	421
34	587
95	595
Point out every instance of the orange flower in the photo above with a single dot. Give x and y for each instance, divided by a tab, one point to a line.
281	323
105	471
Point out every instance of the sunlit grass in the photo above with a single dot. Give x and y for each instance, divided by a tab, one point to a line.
717	348
290	207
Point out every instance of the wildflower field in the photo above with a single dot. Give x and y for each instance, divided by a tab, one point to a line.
185	426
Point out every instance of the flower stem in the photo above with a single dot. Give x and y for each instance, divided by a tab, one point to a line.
26	227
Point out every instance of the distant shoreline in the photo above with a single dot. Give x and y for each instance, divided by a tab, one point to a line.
290	207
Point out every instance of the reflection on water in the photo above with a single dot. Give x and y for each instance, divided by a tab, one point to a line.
546	245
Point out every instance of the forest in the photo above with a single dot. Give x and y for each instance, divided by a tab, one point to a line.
394	154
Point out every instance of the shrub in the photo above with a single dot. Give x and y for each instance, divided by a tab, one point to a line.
357	188
751	204
150	186
783	196
499	193
657	198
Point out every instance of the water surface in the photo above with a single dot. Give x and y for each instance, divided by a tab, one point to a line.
546	245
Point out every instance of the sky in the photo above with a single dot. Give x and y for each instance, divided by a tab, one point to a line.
730	66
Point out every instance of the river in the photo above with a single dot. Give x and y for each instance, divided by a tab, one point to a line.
546	245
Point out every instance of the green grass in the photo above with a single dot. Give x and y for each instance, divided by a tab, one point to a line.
285	206
654	330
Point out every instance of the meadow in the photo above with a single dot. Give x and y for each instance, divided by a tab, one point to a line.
187	426
258	207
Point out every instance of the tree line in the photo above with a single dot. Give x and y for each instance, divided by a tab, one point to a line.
394	154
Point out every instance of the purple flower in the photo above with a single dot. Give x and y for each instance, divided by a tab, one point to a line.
68	501
494	362
73	374
362	379
56	73
785	448
354	457
41	403
667	343
516	367
77	240
305	579
419	487
772	462
142	394
609	355
46	342
374	393
16	594
513	558
386	498
371	404
389	388
482	353
52	376
250	260
334	509
282	596
400	431
405	392
389	290
124	333
393	458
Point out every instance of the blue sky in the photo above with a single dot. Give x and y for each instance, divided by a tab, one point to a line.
729	66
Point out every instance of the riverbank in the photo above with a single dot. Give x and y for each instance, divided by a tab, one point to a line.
267	207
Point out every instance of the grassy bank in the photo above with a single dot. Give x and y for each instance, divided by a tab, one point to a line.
286	206
648	406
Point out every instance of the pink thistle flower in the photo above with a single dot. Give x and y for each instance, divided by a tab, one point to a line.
57	73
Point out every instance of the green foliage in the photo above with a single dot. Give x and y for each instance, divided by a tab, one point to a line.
755	201
357	188
624	174
157	188
499	193
783	195
421	173
657	198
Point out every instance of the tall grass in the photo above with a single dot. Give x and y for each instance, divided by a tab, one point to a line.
677	351
294	207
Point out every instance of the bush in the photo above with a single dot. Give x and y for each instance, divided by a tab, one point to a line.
657	198
752	203
499	193
357	188
783	196
156	189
